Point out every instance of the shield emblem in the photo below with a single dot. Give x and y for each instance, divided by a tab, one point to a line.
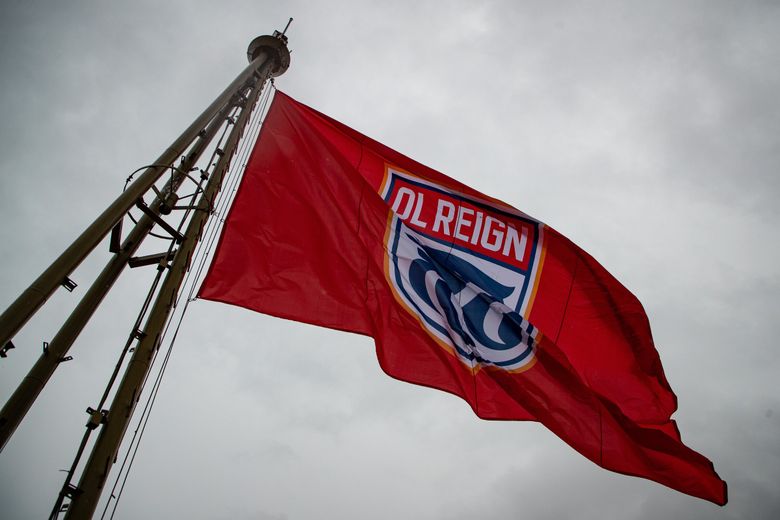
465	268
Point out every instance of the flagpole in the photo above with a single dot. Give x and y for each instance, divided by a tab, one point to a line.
272	57
25	306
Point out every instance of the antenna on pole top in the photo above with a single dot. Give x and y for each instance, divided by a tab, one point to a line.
281	35
287	26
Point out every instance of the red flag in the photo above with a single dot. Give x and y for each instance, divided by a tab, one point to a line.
460	291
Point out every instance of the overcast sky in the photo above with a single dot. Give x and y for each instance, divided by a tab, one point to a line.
647	132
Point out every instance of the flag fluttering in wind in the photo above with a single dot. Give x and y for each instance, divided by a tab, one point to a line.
461	292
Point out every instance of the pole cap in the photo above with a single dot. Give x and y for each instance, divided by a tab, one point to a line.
277	50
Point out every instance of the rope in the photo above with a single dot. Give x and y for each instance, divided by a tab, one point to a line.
232	180
179	228
201	253
140	429
155	283
88	432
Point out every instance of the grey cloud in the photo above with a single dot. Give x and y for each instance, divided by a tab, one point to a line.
646	132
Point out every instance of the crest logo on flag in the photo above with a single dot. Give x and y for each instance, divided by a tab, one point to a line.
466	268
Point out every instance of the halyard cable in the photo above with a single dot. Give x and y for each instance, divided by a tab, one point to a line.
212	225
87	434
180	225
143	421
144	308
170	249
235	173
152	398
205	243
233	178
199	255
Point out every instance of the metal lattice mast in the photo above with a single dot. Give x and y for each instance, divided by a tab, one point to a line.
17	406
271	57
268	57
